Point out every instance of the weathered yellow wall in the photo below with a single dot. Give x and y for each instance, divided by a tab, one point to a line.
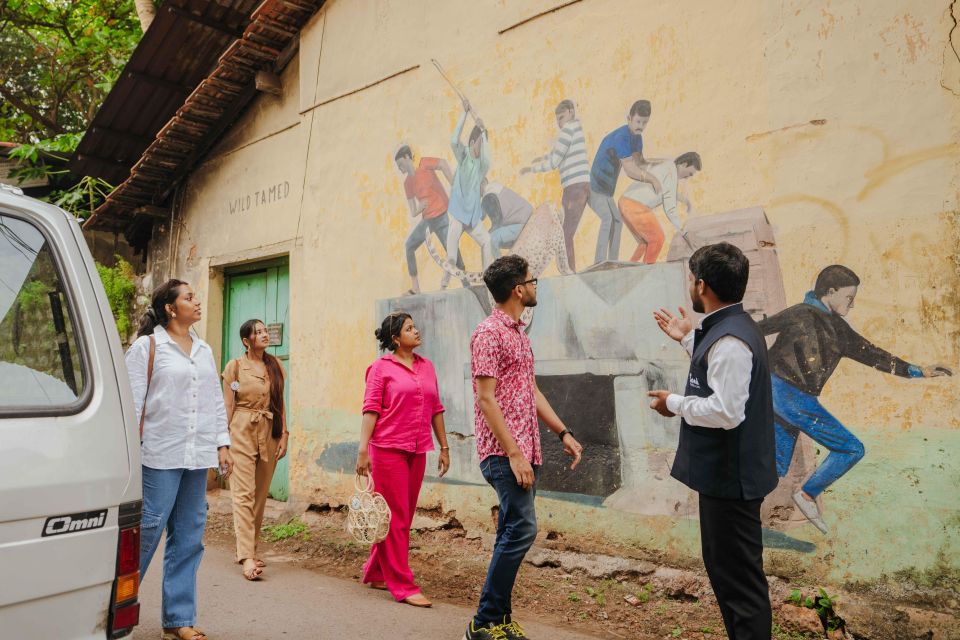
839	118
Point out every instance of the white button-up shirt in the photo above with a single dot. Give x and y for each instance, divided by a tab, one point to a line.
186	420
728	373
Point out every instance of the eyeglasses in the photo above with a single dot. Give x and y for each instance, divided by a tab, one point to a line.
532	281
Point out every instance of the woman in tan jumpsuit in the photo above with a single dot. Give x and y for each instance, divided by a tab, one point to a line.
253	394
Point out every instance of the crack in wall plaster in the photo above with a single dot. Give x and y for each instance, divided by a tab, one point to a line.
953	47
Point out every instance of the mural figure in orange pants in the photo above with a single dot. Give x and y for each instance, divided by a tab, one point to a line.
640	199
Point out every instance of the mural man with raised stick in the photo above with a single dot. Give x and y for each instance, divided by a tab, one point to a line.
473	162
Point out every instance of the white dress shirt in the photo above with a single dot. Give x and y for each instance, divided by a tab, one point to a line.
730	363
186	420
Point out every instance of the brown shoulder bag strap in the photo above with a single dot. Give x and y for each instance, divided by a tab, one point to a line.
153	354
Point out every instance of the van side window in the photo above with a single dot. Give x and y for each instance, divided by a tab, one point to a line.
40	365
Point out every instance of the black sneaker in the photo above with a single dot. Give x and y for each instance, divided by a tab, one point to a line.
488	631
511	629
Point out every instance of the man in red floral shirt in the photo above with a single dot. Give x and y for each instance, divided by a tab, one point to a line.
507	406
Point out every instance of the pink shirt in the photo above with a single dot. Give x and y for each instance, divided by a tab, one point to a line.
405	402
501	349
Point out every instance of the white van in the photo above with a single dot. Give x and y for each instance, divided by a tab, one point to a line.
70	492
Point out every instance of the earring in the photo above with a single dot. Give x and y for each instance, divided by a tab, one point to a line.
174	315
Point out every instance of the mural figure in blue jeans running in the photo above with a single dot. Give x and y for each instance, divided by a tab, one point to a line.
812	337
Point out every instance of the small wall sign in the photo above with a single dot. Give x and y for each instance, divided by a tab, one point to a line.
275	331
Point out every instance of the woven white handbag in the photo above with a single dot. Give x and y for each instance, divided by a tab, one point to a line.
369	516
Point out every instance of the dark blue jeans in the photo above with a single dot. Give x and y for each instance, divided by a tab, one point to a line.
796	411
516	531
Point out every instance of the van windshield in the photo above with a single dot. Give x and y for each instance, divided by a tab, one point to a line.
39	362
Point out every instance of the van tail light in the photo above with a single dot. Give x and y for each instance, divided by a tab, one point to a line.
124	609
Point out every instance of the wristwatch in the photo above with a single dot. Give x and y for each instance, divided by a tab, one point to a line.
563	433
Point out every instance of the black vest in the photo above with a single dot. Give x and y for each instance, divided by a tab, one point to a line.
736	463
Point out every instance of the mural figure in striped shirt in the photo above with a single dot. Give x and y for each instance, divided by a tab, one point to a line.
568	156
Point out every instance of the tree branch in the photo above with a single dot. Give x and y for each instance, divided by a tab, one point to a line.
33	112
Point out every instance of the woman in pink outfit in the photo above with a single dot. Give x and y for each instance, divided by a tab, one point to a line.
400	406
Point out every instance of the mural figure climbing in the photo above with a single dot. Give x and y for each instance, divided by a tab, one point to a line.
473	162
569	157
428	203
811	339
638	202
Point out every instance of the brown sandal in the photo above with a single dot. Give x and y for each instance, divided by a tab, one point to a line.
253	573
418	600
184	633
380	586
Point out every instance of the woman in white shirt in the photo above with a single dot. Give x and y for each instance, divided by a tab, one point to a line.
183	433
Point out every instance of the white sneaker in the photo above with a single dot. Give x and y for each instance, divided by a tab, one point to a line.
810	511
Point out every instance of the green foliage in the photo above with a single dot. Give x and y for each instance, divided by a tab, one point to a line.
33	295
597	595
58	60
644	594
676	633
80	199
278	532
118	281
573	597
822	603
83	198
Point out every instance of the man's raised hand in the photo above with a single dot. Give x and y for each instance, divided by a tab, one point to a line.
673	326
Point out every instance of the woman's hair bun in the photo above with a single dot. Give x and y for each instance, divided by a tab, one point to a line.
389	329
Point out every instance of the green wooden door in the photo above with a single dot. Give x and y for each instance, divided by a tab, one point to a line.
261	291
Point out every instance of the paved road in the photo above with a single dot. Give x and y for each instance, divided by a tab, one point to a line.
291	602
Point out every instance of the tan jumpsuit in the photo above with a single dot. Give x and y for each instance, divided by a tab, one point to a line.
254	452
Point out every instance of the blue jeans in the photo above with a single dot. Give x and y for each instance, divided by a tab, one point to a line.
796	411
418	236
504	237
175	500
516	531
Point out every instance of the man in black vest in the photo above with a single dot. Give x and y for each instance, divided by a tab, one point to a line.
726	451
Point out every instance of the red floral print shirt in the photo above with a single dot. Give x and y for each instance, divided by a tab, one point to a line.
500	349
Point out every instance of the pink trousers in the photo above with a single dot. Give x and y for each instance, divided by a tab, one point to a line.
398	475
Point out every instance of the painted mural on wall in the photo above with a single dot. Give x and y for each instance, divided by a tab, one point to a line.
810	339
597	350
500	219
